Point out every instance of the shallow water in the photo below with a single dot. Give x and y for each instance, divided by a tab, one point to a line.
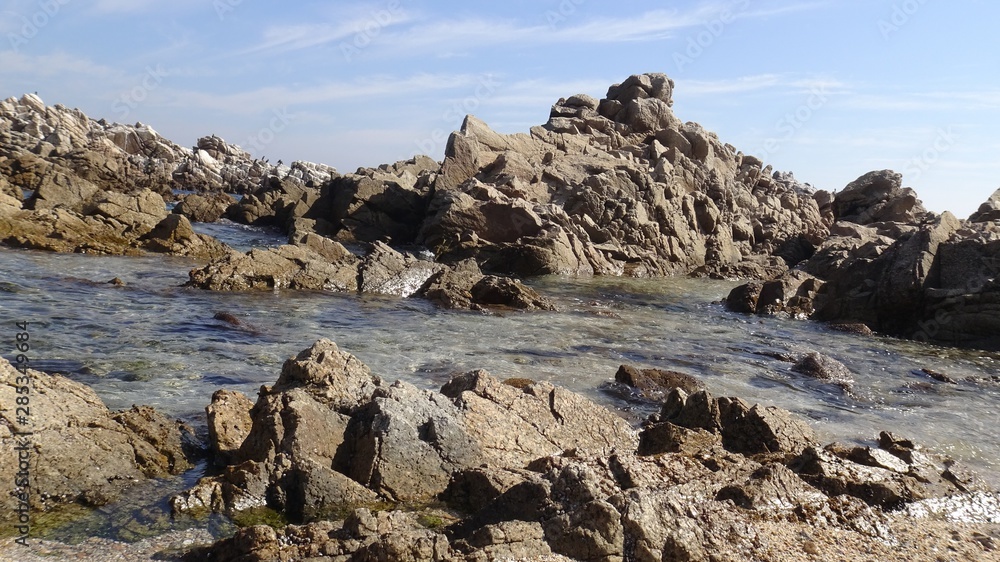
154	342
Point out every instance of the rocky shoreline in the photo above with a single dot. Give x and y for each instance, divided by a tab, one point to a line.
487	469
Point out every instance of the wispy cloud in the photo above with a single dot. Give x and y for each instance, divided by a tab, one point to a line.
407	33
365	88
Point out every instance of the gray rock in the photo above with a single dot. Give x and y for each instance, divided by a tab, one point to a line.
80	451
204	208
229	424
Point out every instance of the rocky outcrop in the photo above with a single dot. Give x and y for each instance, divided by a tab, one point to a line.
529	470
204	208
54	146
903	272
876	197
76	449
617	186
320	263
988	211
105	223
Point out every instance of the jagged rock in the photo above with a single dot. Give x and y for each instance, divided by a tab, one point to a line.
286	459
744	429
174	235
140	211
80	452
625	189
988	211
516	425
878	197
385	271
491	290
794	293
656	383
204	208
229	424
365	536
406	443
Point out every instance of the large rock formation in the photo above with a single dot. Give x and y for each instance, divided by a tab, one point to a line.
529	470
896	269
76	450
103	222
617	186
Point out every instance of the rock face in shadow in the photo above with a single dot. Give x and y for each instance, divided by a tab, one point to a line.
529	469
896	269
78	451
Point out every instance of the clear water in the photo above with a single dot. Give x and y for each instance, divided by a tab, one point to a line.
155	342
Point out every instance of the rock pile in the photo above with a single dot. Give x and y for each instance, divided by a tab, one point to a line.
489	470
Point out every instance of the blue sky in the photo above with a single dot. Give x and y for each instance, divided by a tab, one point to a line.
825	89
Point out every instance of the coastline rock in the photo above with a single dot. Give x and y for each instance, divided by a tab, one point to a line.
534	470
876	197
988	211
80	452
229	423
821	367
204	208
655	384
287	266
174	235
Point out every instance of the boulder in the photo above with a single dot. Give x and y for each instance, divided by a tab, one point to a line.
174	235
229	424
286	459
878	197
284	267
140	211
204	208
78	450
824	368
988	211
385	271
655	384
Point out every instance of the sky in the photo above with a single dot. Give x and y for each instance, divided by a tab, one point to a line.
826	89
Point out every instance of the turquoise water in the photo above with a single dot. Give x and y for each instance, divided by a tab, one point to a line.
155	342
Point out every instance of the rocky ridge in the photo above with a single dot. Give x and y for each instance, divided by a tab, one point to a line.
40	145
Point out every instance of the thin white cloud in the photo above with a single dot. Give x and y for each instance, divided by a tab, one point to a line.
365	88
458	36
52	65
